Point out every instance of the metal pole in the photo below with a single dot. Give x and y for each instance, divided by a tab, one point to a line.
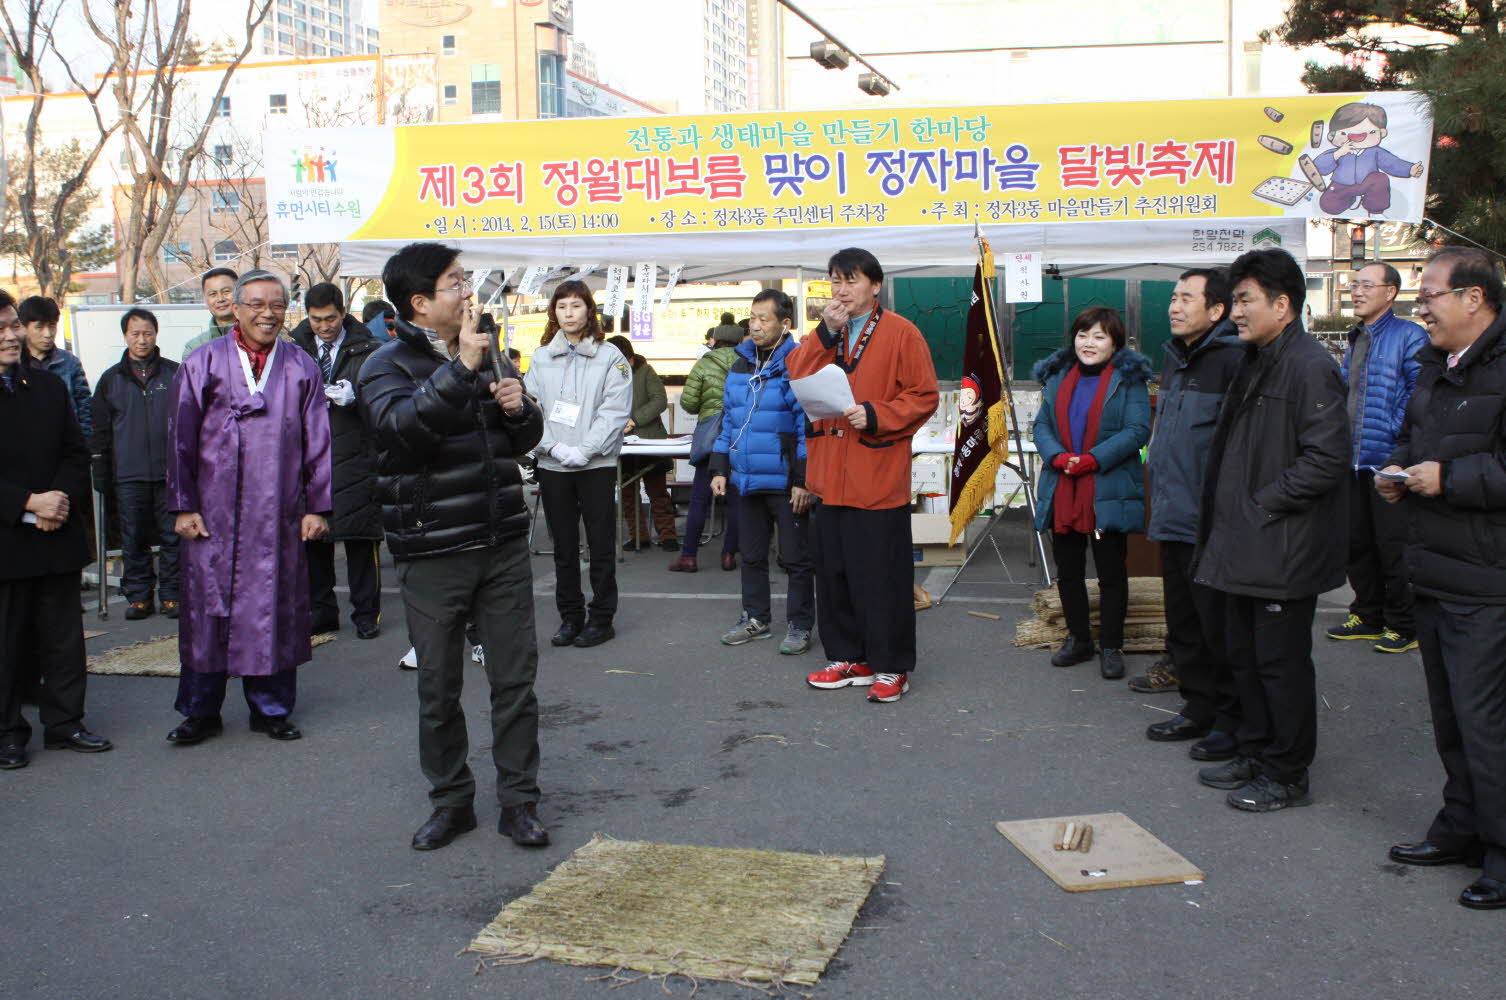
833	38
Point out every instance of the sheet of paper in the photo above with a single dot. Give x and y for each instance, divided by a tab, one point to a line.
669	284
616	290
1021	274
825	394
645	273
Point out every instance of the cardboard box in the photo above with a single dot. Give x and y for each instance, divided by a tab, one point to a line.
930	532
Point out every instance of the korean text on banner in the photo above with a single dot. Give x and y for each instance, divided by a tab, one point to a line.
1319	155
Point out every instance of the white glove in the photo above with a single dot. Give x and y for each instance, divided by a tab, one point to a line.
569	456
340	393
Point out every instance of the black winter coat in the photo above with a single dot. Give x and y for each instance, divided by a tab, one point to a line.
448	477
357	514
1275	500
1192	392
129	440
1456	548
42	449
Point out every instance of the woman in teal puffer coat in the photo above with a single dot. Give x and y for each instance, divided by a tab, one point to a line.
1093	421
703	397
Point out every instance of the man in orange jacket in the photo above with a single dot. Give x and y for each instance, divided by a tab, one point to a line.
858	466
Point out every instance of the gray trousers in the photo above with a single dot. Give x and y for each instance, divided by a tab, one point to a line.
493	588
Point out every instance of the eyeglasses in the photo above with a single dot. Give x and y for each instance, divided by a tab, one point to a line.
462	287
275	307
1366	286
1423	298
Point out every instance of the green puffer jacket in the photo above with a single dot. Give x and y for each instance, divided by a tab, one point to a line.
706	382
649	401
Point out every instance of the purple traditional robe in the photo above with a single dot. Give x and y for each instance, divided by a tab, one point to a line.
251	464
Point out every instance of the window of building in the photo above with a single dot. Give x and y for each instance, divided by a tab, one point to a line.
450	95
277	104
184	203
446	45
283	38
300	8
286	20
316	13
175	252
317	31
318	49
336	19
551	85
486	89
284	251
226	250
221	153
225	201
223	109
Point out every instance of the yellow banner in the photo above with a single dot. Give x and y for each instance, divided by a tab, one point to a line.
1329	155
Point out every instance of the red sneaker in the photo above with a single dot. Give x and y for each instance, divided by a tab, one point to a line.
840	674
888	687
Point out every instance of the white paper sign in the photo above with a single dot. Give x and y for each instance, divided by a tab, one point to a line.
616	290
669	284
824	394
644	276
533	279
478	278
584	269
1021	273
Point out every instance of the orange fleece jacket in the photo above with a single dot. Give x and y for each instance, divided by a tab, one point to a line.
895	381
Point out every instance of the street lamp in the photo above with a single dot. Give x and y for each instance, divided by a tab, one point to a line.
829	54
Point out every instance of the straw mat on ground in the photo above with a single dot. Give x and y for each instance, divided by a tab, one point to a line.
764	919
153	658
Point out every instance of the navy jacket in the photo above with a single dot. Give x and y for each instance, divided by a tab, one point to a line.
762	441
66	366
1390	372
129	441
1124	426
1192	391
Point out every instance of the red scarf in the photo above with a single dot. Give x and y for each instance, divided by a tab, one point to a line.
258	355
1072	504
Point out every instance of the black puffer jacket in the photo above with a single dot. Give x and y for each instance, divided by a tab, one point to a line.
447	476
1456	548
357	514
1275	494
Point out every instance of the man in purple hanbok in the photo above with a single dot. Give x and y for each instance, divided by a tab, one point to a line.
248	476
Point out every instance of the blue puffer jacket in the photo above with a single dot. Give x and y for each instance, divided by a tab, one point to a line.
66	366
1123	429
1391	369
762	442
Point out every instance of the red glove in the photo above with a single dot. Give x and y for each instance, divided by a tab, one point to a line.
1059	463
1086	464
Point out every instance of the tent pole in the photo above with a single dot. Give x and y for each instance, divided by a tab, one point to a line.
799	298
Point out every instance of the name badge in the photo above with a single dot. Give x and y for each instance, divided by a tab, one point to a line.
565	413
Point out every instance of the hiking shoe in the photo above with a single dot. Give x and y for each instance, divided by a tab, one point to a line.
1235	774
137	610
1355	627
1392	641
169	609
888	687
1265	794
1159	679
796	641
478	654
840	674
746	630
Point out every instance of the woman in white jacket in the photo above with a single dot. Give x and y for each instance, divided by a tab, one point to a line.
585	389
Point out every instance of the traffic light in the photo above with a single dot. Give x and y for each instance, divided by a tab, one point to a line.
1358	257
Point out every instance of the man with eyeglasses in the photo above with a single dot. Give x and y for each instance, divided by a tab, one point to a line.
1448	476
1381	368
248	478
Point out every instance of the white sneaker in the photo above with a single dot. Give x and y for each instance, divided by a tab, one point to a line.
409	660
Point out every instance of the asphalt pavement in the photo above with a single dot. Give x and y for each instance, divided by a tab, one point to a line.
244	867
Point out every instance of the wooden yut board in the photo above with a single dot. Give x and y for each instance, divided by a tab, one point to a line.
1123	854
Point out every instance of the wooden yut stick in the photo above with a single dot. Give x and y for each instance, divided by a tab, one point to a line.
1087	839
1067	837
1076	836
1061	836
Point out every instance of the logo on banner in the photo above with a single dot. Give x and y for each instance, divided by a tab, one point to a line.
1265	239
311	169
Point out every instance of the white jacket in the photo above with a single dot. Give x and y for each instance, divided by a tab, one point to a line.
594	375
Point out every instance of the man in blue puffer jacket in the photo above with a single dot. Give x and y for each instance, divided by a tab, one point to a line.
762	446
1381	368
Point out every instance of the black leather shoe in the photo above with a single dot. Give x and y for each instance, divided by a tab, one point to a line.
1178	727
1427	855
276	726
368	630
1235	774
1214	746
1111	664
1484	893
568	633
521	823
1073	652
12	757
444	825
595	634
196	730
81	740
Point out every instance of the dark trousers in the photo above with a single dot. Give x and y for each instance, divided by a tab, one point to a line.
201	695
700	509
761	514
1377	540
493	588
1070	549
144	522
655	479
1194	626
865	579
41	608
570	498
363	572
1461	658
1269	645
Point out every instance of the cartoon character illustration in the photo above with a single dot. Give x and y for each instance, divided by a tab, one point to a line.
1358	165
968	400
